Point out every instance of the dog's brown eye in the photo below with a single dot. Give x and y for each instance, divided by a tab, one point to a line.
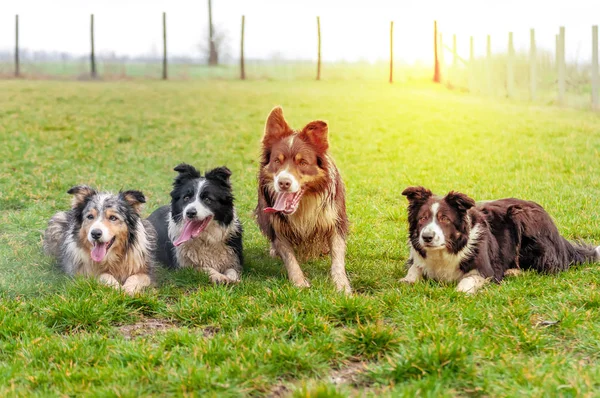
423	218
113	218
90	217
186	198
277	161
444	219
303	163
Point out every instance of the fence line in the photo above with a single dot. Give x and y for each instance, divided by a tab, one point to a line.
485	66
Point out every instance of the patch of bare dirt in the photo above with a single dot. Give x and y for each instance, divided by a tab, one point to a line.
150	326
145	327
347	374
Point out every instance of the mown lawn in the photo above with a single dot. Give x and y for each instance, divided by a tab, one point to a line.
264	337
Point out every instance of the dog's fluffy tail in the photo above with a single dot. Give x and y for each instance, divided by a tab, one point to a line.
580	253
55	234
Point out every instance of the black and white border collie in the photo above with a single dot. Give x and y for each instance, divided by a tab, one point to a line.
454	239
103	236
200	229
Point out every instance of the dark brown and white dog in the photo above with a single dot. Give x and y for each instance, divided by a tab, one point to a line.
454	239
103	236
301	198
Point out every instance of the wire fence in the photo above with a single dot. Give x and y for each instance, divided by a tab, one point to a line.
537	74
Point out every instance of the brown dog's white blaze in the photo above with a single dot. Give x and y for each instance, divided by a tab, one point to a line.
301	197
293	162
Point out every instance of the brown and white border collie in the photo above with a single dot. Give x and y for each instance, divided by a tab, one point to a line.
103	236
454	239
301	198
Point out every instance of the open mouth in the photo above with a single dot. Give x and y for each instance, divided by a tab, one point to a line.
192	229
100	249
285	202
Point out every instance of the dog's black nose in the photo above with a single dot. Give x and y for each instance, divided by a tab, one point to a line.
428	236
191	213
284	183
96	234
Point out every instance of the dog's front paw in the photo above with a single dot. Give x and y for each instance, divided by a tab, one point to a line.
513	272
220	279
302	283
233	275
273	252
409	281
109	280
344	288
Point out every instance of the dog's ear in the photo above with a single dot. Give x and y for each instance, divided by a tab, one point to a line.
315	133
135	198
220	174
417	194
186	172
81	193
276	127
459	201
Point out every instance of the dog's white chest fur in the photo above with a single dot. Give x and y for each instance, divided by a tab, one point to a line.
209	250
439	265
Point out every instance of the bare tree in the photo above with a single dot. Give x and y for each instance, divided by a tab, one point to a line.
213	56
216	49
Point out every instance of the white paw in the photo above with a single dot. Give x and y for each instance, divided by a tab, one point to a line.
233	275
470	284
109	280
344	288
513	272
273	252
410	281
301	283
220	279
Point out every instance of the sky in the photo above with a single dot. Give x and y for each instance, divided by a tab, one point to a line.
351	30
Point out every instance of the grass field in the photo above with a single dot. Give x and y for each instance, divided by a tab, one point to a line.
264	337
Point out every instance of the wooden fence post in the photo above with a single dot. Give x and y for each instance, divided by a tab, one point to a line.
164	21
242	65
595	77
561	66
454	52
436	65
17	62
319	48
510	77
441	57
391	51
471	65
92	53
488	64
532	65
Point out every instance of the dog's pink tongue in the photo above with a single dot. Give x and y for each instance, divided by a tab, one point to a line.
99	251
186	234
280	203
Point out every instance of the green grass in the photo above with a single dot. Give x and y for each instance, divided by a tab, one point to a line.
70	337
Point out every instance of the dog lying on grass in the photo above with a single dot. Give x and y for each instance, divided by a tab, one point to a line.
103	236
200	228
454	239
